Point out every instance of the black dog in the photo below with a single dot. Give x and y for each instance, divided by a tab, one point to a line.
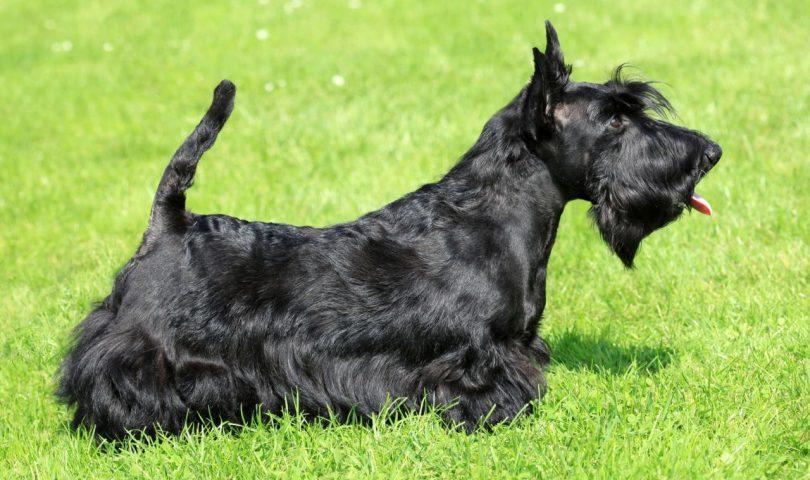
436	297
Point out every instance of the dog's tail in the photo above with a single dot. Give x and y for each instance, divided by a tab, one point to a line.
169	208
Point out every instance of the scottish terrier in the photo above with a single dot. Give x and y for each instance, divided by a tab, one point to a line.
435	299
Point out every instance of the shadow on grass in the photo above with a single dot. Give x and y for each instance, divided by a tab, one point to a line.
579	352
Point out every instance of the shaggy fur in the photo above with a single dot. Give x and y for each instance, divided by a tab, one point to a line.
435	297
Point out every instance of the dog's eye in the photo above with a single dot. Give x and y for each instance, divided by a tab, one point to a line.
616	123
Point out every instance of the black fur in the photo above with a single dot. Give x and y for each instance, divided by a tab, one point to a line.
436	296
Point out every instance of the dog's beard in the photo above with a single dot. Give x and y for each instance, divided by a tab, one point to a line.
624	223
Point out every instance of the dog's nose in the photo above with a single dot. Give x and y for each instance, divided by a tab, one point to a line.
713	153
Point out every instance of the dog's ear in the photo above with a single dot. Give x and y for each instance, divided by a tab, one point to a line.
546	86
554	56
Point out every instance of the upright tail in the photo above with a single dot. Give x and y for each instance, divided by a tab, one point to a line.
169	208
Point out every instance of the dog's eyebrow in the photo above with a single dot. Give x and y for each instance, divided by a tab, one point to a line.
637	95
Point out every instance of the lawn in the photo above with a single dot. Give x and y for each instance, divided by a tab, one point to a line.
694	365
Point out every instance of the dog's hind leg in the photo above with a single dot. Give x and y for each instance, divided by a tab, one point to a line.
120	380
169	207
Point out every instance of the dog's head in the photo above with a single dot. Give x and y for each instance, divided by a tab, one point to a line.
607	143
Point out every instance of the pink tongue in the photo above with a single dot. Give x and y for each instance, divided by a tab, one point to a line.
700	204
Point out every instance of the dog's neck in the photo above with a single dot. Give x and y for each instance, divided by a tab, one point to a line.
500	181
515	186
498	208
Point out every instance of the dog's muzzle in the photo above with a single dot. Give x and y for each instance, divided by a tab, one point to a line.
710	158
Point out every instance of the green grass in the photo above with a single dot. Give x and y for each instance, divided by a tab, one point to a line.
695	365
